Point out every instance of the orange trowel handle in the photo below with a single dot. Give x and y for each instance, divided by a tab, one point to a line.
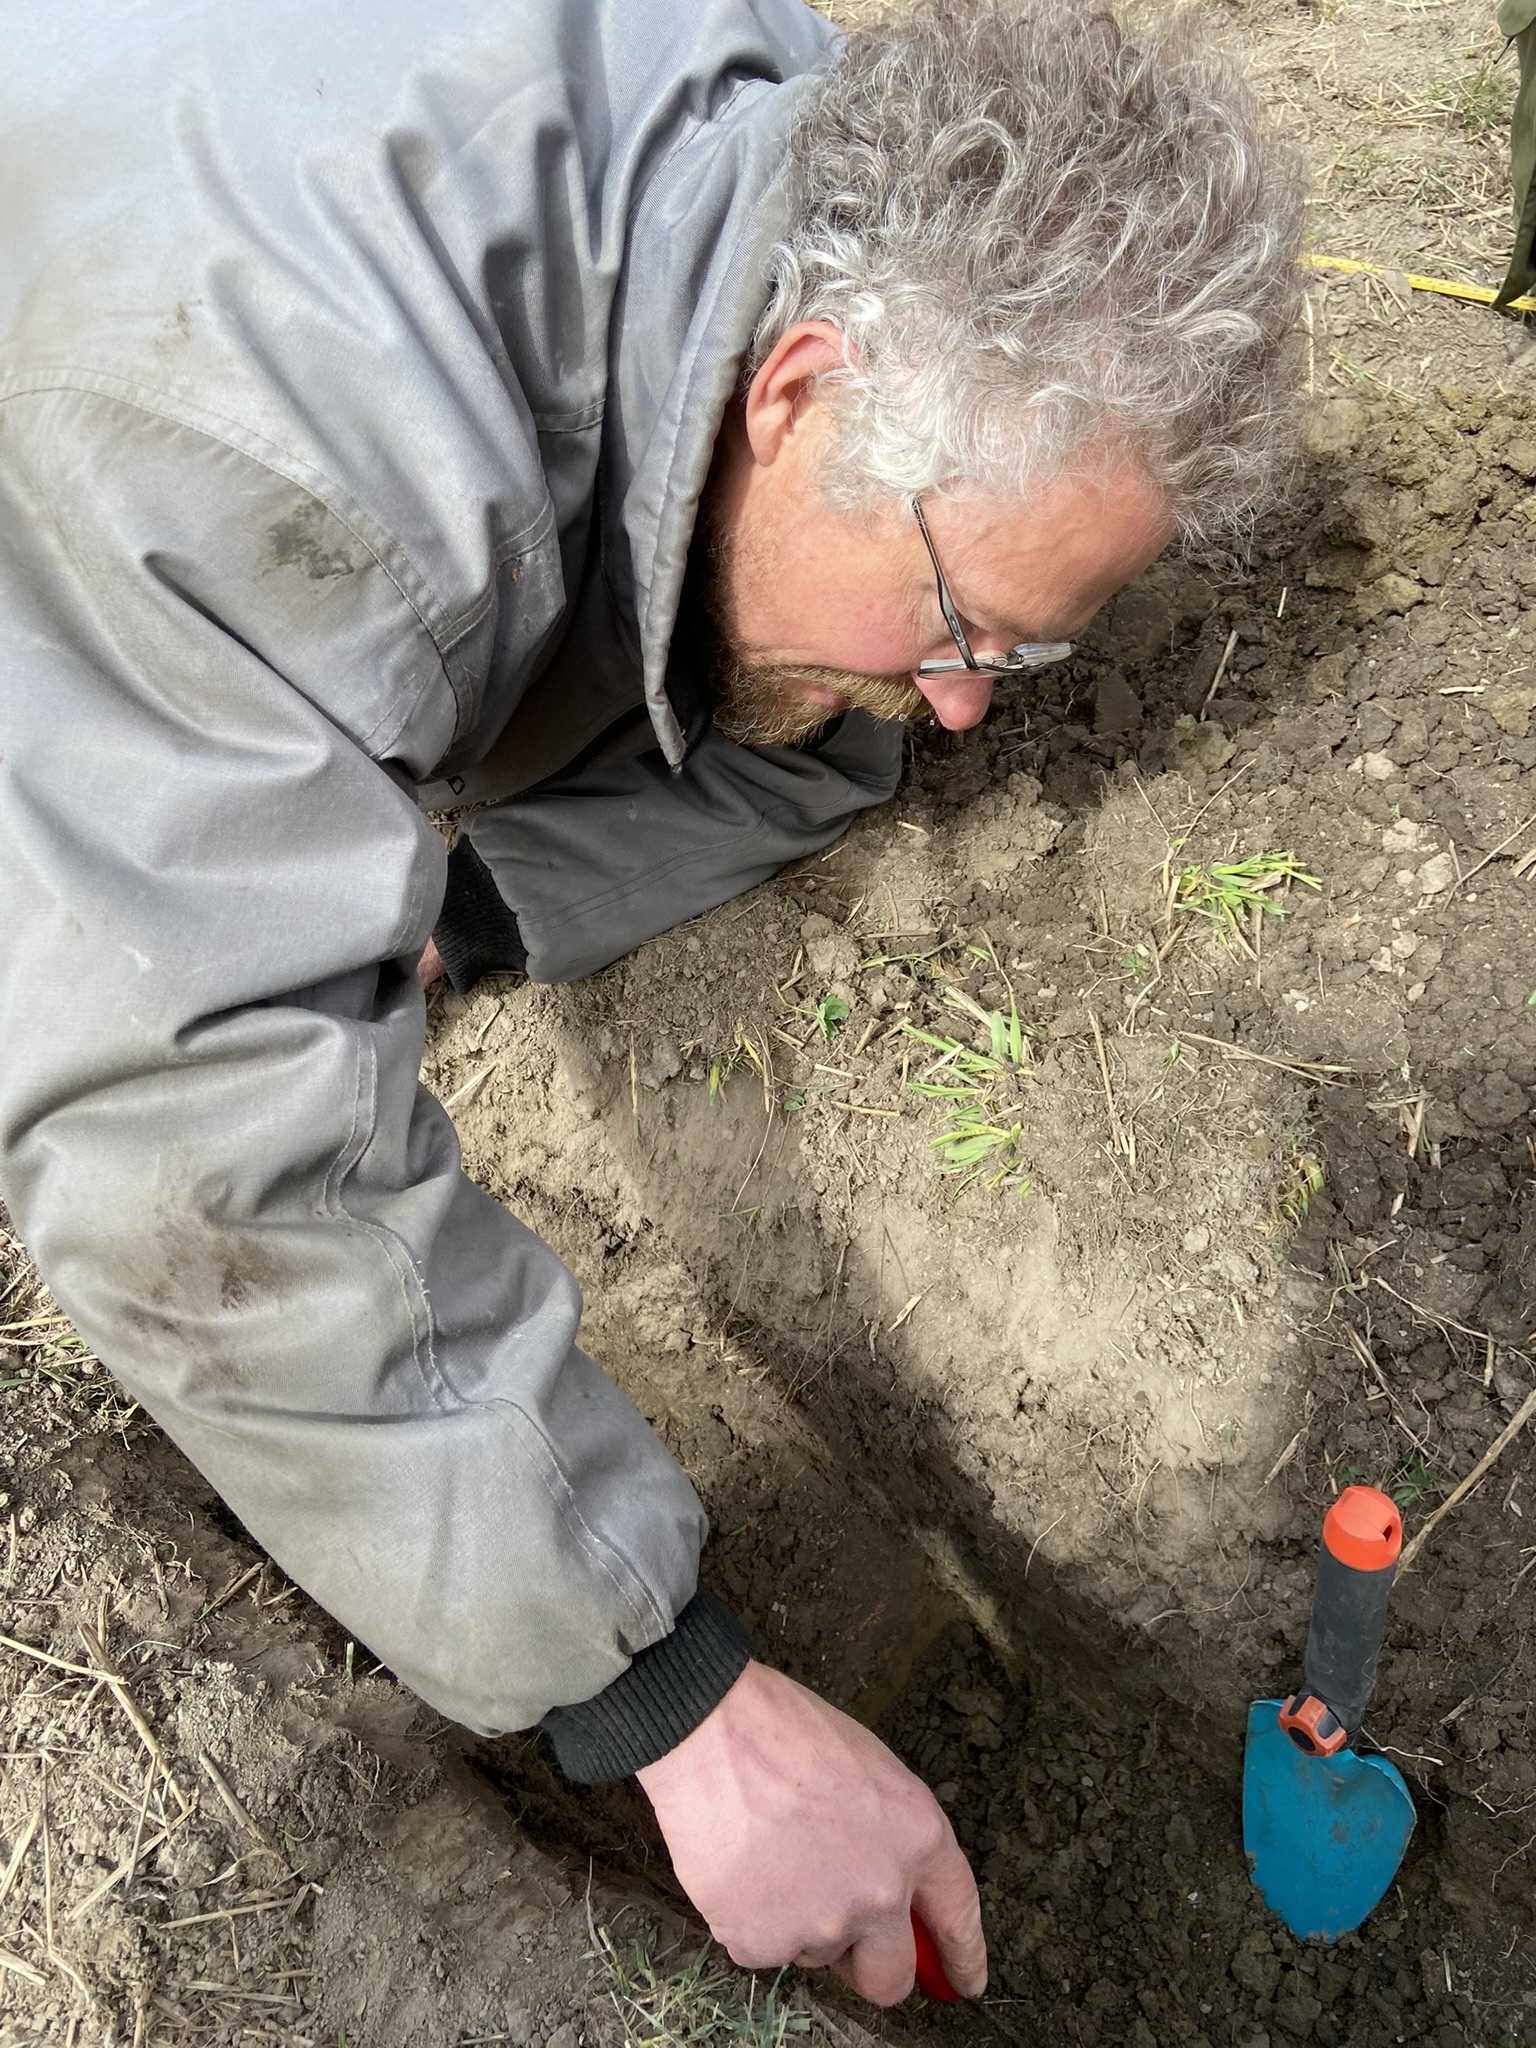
1356	1564
931	1980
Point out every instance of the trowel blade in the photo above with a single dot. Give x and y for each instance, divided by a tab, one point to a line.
1324	1834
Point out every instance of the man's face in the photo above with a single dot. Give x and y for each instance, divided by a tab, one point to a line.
820	610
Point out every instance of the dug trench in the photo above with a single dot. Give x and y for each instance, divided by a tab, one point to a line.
1023	1462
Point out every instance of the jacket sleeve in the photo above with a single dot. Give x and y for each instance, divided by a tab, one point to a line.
212	1136
592	866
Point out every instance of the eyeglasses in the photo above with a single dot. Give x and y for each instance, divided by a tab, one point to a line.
1028	654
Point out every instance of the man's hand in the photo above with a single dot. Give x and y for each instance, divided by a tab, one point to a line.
429	968
800	1838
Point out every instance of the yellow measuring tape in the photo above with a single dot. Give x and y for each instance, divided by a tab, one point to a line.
1477	294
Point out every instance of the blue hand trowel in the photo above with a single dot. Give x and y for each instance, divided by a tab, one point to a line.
1325	1829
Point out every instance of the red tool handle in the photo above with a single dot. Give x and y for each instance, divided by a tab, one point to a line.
931	1980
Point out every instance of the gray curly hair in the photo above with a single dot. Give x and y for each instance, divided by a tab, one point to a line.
1041	227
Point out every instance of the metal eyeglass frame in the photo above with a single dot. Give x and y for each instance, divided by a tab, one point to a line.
1028	654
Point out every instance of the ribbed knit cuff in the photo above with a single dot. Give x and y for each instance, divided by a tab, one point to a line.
477	931
663	1696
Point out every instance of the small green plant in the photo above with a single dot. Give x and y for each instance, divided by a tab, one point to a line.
828	1014
1354	1475
724	1064
1483	102
1236	894
911	962
1304	1178
1361	170
703	2004
1338	1260
831	1014
721	1068
976	1139
1415	1483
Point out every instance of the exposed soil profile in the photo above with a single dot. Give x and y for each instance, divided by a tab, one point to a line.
1024	1465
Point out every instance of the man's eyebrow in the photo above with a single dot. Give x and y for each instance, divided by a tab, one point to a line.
990	619
1052	627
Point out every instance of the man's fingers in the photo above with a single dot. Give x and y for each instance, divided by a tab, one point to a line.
882	1969
828	1844
950	1909
429	968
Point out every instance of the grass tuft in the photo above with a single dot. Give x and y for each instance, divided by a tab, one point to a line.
1415	1483
41	1352
704	2004
742	1053
1236	894
976	1139
1304	1178
1482	102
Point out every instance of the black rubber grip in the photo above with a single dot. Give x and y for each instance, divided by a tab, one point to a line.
1349	1619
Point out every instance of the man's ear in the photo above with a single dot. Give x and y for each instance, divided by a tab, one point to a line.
779	396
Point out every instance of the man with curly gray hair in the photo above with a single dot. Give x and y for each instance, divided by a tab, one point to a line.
619	418
1032	255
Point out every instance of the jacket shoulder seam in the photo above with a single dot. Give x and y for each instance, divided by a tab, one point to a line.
444	634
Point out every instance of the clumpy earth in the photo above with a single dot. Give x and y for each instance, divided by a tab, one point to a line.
1016	1408
1262	1227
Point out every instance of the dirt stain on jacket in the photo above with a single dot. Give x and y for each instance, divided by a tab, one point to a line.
310	540
190	1277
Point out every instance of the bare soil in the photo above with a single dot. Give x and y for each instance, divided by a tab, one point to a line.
1026	1471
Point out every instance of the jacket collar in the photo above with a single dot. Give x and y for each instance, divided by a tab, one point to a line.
691	298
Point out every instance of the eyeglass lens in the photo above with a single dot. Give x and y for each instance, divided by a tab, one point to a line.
1028	654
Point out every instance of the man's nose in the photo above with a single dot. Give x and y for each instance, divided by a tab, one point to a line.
960	700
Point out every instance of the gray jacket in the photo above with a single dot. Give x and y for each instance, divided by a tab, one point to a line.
360	369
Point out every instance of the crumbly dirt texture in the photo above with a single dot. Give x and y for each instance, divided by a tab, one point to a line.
1023	1462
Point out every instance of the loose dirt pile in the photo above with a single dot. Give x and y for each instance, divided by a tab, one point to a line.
246	1834
1024	1461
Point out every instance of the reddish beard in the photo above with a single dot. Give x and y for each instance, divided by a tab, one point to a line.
765	704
